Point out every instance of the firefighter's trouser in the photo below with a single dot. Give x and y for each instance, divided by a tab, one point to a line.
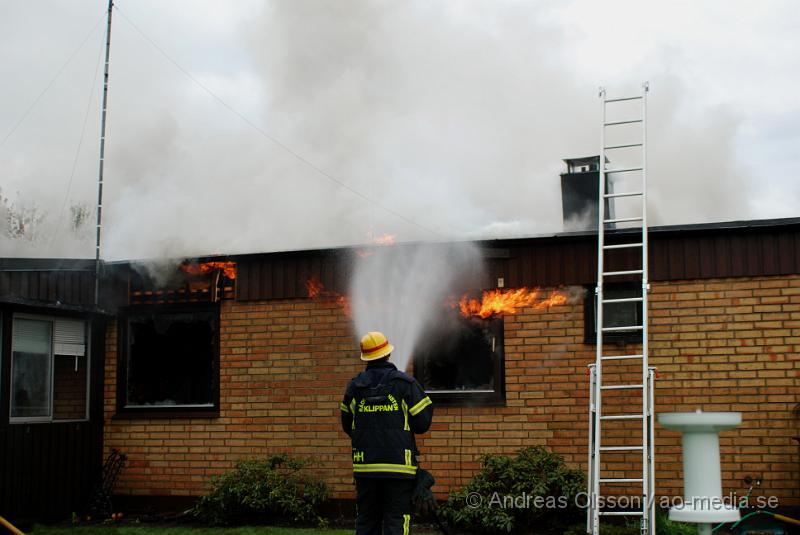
383	505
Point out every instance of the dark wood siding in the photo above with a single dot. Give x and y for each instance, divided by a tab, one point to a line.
696	252
48	470
68	282
282	276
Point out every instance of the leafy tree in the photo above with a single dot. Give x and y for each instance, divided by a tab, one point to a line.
18	221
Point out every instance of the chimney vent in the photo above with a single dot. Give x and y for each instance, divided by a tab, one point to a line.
579	193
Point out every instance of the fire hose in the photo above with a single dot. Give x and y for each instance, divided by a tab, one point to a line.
423	501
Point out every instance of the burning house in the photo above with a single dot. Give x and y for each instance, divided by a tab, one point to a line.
191	368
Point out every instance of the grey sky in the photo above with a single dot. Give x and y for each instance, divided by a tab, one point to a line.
455	115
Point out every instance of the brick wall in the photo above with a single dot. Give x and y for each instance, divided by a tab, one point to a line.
69	388
723	345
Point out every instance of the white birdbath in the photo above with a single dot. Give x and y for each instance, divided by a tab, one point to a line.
702	483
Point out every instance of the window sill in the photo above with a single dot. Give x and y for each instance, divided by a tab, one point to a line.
620	340
467	399
22	421
165	414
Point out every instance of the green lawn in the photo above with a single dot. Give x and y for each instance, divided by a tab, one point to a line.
178	530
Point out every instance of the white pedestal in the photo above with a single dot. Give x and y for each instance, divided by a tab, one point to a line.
702	483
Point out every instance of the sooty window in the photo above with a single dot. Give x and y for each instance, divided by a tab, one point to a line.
170	361
624	314
460	360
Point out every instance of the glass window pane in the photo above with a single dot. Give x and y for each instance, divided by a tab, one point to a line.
621	314
30	368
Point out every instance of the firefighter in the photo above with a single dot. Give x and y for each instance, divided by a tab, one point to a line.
383	408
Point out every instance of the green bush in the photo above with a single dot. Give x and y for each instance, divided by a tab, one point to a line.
665	526
627	527
274	490
543	485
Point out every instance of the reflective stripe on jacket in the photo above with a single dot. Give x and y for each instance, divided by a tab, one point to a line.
381	411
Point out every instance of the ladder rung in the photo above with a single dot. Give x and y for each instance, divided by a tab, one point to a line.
623	194
623	146
625	328
622	357
618	273
622	417
623	300
621	448
622	220
623	170
621	513
621	99
622	480
622	245
614	123
619	387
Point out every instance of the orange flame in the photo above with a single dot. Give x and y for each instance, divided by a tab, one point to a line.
508	302
228	268
314	288
317	290
384	239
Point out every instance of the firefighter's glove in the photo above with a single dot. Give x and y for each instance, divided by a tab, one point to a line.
422	499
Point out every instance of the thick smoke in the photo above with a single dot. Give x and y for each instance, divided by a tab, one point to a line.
455	117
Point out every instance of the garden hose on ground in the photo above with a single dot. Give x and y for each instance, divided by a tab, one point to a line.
10	527
760	512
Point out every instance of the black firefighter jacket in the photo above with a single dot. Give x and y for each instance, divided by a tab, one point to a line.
382	409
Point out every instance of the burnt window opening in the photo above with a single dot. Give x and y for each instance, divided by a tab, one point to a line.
170	361
614	314
459	361
196	282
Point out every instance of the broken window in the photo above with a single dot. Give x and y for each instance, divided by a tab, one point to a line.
170	360
49	369
460	360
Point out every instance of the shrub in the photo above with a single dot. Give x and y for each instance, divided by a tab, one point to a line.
665	526
275	489
544	486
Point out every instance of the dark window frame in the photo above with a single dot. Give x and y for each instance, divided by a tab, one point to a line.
475	398
123	348
590	314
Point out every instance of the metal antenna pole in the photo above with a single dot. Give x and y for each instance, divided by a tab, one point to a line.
102	159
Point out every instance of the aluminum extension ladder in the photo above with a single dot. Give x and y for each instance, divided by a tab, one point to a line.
631	489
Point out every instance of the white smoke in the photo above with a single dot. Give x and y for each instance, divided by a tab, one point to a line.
398	290
454	115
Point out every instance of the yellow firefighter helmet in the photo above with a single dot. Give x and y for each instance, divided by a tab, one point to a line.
374	346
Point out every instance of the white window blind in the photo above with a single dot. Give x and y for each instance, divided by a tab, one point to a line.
70	337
